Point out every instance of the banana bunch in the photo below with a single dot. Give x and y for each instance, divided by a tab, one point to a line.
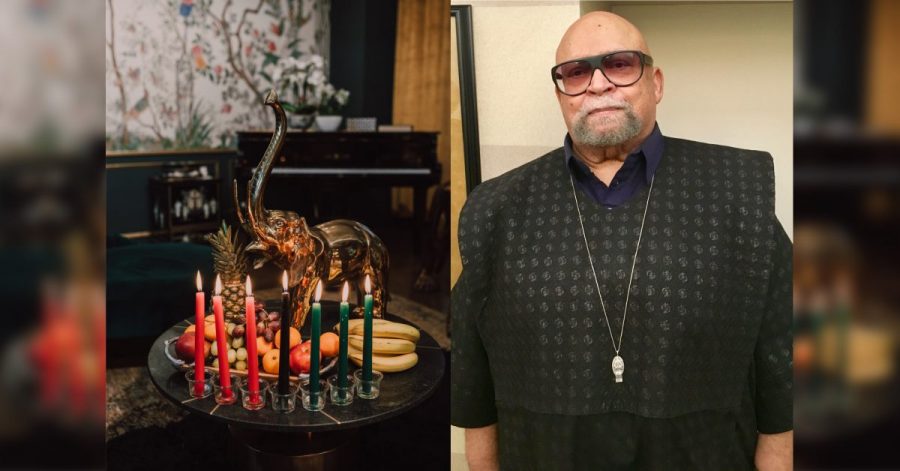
393	344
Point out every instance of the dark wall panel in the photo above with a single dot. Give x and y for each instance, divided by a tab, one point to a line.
363	35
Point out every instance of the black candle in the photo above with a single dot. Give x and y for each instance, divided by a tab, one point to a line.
287	319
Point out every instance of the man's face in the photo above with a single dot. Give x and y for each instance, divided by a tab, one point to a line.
607	115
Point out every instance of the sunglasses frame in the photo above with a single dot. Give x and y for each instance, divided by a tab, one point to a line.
596	62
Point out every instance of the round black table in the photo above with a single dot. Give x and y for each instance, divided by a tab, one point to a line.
302	440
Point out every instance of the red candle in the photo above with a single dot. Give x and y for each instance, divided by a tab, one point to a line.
199	342
250	332
224	372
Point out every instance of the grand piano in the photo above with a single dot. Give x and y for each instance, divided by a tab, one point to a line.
317	172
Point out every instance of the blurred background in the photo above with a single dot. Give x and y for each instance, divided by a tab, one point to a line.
52	381
846	232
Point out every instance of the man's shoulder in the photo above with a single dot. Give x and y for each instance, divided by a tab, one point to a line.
716	154
510	184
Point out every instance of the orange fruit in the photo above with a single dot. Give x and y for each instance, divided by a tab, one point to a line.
270	362
262	347
329	344
295	338
189	329
209	331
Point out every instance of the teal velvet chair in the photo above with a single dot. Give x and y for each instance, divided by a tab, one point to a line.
150	286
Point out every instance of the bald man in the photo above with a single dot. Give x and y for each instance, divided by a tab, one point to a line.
625	299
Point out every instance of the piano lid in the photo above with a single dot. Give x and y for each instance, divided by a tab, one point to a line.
317	153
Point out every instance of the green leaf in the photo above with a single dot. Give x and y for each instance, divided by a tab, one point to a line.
270	59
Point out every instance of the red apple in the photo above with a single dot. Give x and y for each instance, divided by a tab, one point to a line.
184	347
300	358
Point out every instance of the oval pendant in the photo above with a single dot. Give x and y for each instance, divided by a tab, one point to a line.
618	367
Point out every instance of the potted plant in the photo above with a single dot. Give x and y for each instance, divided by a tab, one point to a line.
331	102
298	81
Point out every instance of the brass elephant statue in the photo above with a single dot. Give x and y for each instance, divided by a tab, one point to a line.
334	251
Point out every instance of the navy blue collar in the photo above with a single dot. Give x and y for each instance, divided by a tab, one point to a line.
651	149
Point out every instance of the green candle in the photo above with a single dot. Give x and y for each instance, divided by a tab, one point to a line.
342	356
367	338
316	331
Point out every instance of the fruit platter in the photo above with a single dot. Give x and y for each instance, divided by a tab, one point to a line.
180	350
393	346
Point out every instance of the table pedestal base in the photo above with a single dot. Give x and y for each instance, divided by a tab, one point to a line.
261	450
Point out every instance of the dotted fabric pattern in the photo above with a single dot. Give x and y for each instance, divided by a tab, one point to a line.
709	319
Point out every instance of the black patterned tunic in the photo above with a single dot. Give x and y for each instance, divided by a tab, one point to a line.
707	343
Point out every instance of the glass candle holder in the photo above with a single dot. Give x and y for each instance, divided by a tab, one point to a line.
226	397
283	403
313	402
368	389
249	401
342	396
207	387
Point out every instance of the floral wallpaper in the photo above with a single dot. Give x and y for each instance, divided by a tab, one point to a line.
188	73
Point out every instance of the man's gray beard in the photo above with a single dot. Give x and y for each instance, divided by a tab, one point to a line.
584	134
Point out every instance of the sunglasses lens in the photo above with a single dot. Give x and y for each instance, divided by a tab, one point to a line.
573	77
623	68
620	68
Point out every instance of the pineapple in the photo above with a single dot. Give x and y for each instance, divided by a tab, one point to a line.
231	264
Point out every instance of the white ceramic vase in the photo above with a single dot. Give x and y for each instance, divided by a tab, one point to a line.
328	123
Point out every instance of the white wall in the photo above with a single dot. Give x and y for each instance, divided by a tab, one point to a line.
728	78
515	45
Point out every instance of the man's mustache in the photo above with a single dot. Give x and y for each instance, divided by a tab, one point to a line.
599	103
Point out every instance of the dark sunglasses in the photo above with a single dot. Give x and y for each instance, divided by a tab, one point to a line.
621	68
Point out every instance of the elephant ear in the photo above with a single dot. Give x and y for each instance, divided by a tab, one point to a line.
257	246
260	261
260	253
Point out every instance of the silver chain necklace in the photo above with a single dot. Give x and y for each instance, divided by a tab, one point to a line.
618	365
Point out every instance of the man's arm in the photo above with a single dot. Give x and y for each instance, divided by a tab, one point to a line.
481	448
774	452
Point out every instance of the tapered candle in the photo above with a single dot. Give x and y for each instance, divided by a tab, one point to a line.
315	332
342	353
250	340
367	337
224	372
284	351
199	342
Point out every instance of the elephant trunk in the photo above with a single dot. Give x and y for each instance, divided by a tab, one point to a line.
257	185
